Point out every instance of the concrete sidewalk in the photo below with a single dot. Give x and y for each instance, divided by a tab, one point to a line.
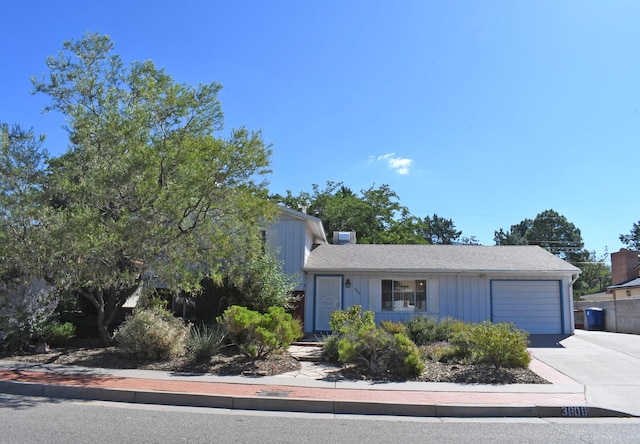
307	391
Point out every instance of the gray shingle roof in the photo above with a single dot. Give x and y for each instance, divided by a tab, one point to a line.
629	284
435	258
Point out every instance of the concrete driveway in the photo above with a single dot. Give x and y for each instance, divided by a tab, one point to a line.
607	364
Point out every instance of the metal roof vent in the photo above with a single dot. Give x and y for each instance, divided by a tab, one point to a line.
344	237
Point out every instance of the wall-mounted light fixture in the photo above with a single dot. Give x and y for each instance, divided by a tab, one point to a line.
628	293
347	283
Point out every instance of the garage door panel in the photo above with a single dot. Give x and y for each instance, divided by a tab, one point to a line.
534	306
525	305
530	307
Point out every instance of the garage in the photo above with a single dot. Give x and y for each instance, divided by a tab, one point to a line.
534	306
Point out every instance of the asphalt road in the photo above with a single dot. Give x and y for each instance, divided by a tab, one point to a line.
43	420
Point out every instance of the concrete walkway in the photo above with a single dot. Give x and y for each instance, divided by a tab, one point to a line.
313	389
606	364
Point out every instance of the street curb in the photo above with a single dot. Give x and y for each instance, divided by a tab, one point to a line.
304	405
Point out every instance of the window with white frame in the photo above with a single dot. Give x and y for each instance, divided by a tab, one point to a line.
404	295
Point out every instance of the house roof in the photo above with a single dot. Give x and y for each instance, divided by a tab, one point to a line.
629	284
435	258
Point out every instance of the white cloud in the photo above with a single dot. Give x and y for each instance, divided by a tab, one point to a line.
399	164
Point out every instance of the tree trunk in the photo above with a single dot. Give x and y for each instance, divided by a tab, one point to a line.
103	328
107	303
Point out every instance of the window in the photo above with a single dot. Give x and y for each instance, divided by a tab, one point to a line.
404	295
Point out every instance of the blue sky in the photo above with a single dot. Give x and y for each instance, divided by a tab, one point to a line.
484	112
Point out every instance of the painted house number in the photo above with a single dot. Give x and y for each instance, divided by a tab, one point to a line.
574	411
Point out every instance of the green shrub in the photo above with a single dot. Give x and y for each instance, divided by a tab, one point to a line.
501	344
379	351
394	327
258	334
157	302
343	321
405	359
152	333
446	327
424	330
440	352
57	333
262	283
462	341
84	323
367	347
330	348
204	342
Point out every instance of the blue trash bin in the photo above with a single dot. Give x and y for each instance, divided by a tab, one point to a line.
595	318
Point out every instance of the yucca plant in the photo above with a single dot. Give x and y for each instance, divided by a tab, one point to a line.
205	341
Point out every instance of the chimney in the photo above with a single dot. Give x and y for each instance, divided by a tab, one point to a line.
624	266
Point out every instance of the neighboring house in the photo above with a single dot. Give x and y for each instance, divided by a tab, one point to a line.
625	276
621	301
522	284
626	290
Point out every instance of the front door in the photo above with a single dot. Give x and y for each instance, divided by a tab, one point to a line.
328	300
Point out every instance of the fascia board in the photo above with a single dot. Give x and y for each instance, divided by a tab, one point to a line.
443	271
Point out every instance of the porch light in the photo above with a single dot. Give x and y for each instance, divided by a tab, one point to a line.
347	283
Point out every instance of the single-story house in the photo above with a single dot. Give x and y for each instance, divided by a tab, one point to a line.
626	290
525	285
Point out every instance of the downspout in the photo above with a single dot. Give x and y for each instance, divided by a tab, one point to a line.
573	282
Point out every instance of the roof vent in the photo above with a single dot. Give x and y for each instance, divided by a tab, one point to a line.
344	237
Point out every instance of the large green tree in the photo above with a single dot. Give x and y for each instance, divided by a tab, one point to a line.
438	230
517	235
22	161
147	190
595	276
632	240
550	230
376	216
369	214
555	233
407	229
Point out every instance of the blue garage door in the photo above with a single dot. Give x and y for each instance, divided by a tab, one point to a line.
534	306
